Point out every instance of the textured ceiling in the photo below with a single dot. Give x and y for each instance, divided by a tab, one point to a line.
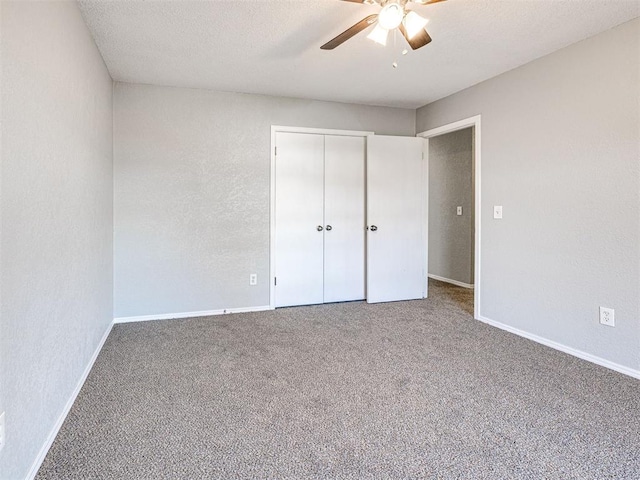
273	46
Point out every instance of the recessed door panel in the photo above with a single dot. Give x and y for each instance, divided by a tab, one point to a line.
299	222
344	236
396	248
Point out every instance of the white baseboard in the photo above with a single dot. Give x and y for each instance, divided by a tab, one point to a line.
175	316
67	408
453	282
563	348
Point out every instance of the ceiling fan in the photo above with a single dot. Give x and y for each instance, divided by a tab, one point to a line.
393	14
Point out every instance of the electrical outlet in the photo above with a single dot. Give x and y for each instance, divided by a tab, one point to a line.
2	430
607	316
459	211
253	279
497	211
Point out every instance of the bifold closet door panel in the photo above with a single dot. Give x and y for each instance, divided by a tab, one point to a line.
344	214
396	246
299	219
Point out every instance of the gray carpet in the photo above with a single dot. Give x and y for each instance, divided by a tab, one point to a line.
402	390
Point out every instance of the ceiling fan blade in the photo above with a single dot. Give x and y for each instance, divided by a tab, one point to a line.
419	40
350	32
420	2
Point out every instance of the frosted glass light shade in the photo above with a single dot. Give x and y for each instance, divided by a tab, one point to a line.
379	35
391	15
413	23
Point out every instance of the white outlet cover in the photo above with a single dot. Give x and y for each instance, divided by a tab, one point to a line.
497	211
253	279
607	316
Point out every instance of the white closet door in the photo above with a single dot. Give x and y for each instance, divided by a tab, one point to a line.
396	247
344	237
299	219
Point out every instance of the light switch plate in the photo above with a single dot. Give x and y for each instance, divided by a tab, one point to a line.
459	211
497	211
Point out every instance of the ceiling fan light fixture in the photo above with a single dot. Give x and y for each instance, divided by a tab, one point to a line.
414	23
379	35
391	16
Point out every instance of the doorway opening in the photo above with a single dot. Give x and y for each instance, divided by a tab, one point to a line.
452	154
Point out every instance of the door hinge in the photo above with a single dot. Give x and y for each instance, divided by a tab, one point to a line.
275	151
275	280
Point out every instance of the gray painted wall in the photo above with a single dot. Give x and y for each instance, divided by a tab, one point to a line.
450	186
192	180
56	243
561	153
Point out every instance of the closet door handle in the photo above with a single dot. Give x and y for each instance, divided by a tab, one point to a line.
373	228
319	228
329	228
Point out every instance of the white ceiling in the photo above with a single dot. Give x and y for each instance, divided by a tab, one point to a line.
273	46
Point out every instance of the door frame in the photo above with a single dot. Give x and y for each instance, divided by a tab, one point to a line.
474	121
272	197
